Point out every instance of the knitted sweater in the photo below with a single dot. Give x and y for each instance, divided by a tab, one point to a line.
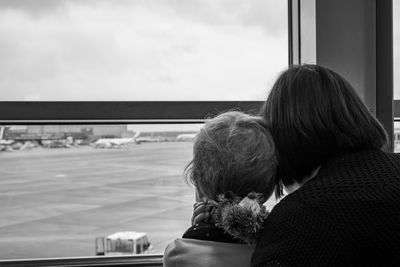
348	215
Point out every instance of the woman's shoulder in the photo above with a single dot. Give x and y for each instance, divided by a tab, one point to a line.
330	211
346	186
344	193
354	172
369	161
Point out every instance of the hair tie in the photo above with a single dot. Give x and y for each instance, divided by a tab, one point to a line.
239	217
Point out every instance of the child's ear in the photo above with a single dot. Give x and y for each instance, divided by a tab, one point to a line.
200	197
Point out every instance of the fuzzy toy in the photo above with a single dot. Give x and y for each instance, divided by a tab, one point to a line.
240	218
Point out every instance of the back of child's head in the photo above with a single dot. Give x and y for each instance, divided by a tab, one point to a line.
233	152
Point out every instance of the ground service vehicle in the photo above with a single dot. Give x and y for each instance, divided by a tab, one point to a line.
122	243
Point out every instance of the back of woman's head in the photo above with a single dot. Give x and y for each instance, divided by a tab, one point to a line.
314	114
233	152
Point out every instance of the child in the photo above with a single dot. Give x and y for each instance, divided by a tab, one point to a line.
233	170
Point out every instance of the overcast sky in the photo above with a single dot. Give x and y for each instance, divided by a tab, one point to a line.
146	49
141	49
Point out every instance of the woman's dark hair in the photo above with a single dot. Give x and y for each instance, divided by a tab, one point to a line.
314	115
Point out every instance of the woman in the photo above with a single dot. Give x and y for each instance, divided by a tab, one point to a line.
344	205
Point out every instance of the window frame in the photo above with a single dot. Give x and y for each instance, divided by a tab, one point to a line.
149	260
131	112
197	111
308	19
95	112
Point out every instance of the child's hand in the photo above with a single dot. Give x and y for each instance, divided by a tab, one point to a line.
201	212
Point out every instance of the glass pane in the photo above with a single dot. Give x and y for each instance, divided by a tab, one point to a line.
63	186
136	50
397	136
396	48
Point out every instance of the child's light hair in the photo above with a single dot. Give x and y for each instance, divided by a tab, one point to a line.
233	152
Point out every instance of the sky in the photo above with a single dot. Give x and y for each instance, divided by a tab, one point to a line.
135	50
138	50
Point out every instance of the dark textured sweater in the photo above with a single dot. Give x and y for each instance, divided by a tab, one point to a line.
348	215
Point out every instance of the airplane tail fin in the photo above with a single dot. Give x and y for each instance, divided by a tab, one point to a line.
136	135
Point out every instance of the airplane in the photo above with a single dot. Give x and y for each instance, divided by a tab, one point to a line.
115	142
186	137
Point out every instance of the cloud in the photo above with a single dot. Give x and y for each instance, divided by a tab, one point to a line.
267	14
85	49
35	7
138	50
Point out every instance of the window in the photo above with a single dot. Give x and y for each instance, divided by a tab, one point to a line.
141	50
64	184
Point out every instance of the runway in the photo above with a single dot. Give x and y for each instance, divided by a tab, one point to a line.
54	202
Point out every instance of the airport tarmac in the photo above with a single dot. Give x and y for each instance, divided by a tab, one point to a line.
54	202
